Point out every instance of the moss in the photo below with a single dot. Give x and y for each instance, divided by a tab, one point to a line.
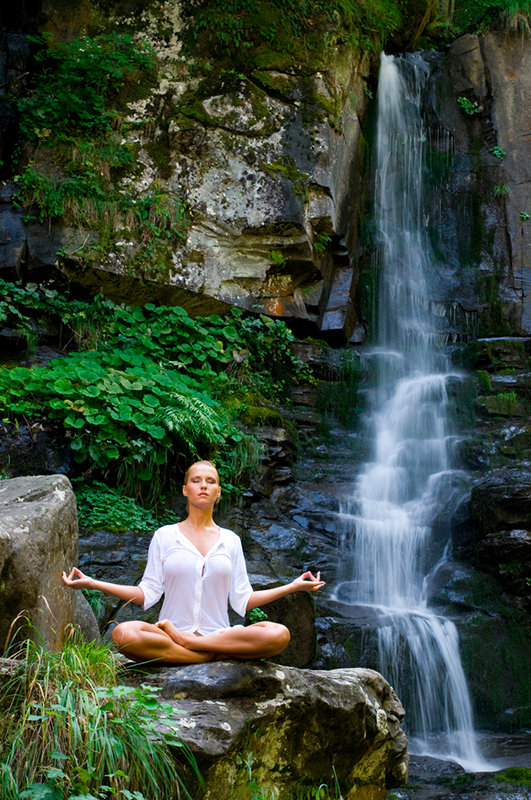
484	382
289	170
254	416
493	356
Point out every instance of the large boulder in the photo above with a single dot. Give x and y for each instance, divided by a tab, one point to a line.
258	724
38	540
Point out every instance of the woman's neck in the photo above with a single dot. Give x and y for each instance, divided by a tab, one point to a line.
199	520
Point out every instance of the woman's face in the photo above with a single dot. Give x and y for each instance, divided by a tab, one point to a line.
202	486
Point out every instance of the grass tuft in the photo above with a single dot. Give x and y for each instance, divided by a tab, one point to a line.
68	729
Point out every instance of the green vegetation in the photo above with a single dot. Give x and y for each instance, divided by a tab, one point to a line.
502	191
521	776
469	107
484	381
524	215
506	401
79	78
257	615
509	15
68	730
150	388
321	242
101	507
73	113
274	32
498	152
277	258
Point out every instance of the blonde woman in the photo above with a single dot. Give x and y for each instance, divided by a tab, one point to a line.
199	567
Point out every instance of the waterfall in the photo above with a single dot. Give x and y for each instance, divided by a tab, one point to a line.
391	548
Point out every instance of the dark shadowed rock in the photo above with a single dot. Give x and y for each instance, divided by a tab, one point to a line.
280	725
502	501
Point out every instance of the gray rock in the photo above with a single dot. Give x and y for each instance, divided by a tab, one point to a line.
284	725
85	619
38	540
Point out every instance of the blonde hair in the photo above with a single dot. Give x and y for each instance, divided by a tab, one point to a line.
203	461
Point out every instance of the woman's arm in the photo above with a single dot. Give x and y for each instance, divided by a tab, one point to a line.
301	584
132	593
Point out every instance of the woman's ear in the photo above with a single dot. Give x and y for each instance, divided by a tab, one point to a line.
185	492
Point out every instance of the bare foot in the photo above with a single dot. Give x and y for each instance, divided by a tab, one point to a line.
180	638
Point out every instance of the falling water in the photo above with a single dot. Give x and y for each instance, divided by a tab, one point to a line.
393	548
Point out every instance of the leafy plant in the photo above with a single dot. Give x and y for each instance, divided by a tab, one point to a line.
101	507
524	215
257	615
321	242
69	731
469	107
498	152
277	258
509	15
502	191
78	79
156	387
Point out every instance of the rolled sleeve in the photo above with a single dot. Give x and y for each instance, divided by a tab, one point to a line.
240	589
152	583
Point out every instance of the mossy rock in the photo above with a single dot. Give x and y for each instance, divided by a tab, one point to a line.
496	653
493	355
504	404
262	416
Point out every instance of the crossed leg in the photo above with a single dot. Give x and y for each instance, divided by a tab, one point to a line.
165	644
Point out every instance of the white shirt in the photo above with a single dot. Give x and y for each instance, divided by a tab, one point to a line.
196	587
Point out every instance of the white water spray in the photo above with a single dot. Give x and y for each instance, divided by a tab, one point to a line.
399	494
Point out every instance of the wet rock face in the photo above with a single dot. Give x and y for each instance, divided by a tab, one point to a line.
277	726
502	501
38	540
480	174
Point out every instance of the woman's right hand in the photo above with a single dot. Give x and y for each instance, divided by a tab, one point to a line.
80	582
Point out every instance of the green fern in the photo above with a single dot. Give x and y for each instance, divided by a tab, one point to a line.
193	420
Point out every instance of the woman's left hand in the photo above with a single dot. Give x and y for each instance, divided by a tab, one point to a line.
308	583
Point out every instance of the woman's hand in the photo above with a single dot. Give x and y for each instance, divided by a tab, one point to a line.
80	582
308	583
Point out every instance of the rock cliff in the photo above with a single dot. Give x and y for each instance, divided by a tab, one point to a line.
479	152
265	166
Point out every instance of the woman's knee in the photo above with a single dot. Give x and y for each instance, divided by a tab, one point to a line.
124	633
278	636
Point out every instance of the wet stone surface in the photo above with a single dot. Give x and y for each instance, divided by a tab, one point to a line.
432	779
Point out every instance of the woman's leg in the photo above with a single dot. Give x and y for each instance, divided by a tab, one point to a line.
141	641
261	640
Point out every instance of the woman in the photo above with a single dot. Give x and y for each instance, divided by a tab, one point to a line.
198	566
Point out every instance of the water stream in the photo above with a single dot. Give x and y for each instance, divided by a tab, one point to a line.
392	549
